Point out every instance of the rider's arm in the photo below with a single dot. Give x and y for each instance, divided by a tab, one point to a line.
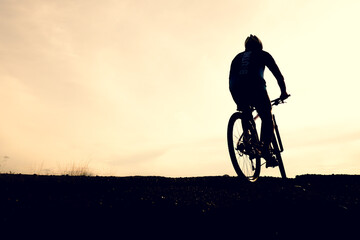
271	64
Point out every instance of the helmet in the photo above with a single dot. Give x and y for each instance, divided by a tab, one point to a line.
253	43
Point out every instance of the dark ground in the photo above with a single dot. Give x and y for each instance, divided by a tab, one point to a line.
309	206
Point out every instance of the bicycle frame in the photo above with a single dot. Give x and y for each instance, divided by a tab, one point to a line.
275	102
276	142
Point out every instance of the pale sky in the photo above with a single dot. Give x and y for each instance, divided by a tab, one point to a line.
136	87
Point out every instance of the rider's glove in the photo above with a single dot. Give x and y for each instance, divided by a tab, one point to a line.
284	95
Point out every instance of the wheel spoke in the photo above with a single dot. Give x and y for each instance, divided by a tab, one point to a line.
244	166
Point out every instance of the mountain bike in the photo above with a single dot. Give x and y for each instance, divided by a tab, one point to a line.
244	144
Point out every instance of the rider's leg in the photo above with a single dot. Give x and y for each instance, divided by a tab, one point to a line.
267	128
245	119
241	99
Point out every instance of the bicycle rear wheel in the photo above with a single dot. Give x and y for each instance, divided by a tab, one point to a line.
241	148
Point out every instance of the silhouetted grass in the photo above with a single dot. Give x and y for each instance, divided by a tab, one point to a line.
74	168
78	169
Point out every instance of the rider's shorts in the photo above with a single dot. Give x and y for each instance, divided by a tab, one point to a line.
255	97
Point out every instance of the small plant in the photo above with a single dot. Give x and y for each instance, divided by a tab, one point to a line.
77	169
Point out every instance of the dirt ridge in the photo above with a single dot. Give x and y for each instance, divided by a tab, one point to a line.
307	205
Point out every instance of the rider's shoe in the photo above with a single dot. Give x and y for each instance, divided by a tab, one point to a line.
269	157
271	162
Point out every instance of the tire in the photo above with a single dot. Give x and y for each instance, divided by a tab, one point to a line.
279	158
245	166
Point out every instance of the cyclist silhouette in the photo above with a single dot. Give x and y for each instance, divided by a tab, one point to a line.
248	87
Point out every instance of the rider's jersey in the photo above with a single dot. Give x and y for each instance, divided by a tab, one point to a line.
247	70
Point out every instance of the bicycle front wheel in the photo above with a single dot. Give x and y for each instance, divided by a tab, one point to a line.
278	148
277	153
240	145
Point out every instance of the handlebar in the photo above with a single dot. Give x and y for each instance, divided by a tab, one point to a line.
278	101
